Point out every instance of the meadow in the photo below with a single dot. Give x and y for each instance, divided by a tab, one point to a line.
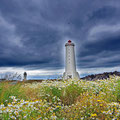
61	100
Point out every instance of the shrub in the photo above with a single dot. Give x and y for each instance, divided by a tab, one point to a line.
70	93
52	94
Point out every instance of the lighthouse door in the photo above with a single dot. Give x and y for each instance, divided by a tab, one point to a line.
69	76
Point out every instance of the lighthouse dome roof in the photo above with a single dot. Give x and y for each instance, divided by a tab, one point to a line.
69	43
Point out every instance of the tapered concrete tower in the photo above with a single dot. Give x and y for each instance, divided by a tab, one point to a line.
70	67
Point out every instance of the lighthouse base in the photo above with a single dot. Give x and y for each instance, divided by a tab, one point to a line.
74	75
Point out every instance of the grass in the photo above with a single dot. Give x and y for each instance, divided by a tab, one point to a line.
7	90
61	100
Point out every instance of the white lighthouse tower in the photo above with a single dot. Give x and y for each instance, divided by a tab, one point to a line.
70	68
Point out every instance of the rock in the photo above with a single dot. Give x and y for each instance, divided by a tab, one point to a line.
102	76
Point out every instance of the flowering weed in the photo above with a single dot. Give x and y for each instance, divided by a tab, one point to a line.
61	100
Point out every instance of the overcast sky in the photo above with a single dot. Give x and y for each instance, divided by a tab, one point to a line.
33	34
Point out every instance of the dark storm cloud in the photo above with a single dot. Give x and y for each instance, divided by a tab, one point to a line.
103	13
33	32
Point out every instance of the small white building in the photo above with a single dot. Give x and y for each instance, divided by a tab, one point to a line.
70	67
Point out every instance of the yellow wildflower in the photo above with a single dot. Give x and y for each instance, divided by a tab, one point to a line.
101	105
53	114
4	108
98	100
93	115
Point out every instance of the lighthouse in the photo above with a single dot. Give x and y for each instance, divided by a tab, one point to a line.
70	64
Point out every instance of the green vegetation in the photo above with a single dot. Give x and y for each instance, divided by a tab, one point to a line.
61	100
7	90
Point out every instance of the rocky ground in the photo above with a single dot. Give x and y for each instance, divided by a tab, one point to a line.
102	76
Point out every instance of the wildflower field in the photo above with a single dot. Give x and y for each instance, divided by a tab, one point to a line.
61	100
